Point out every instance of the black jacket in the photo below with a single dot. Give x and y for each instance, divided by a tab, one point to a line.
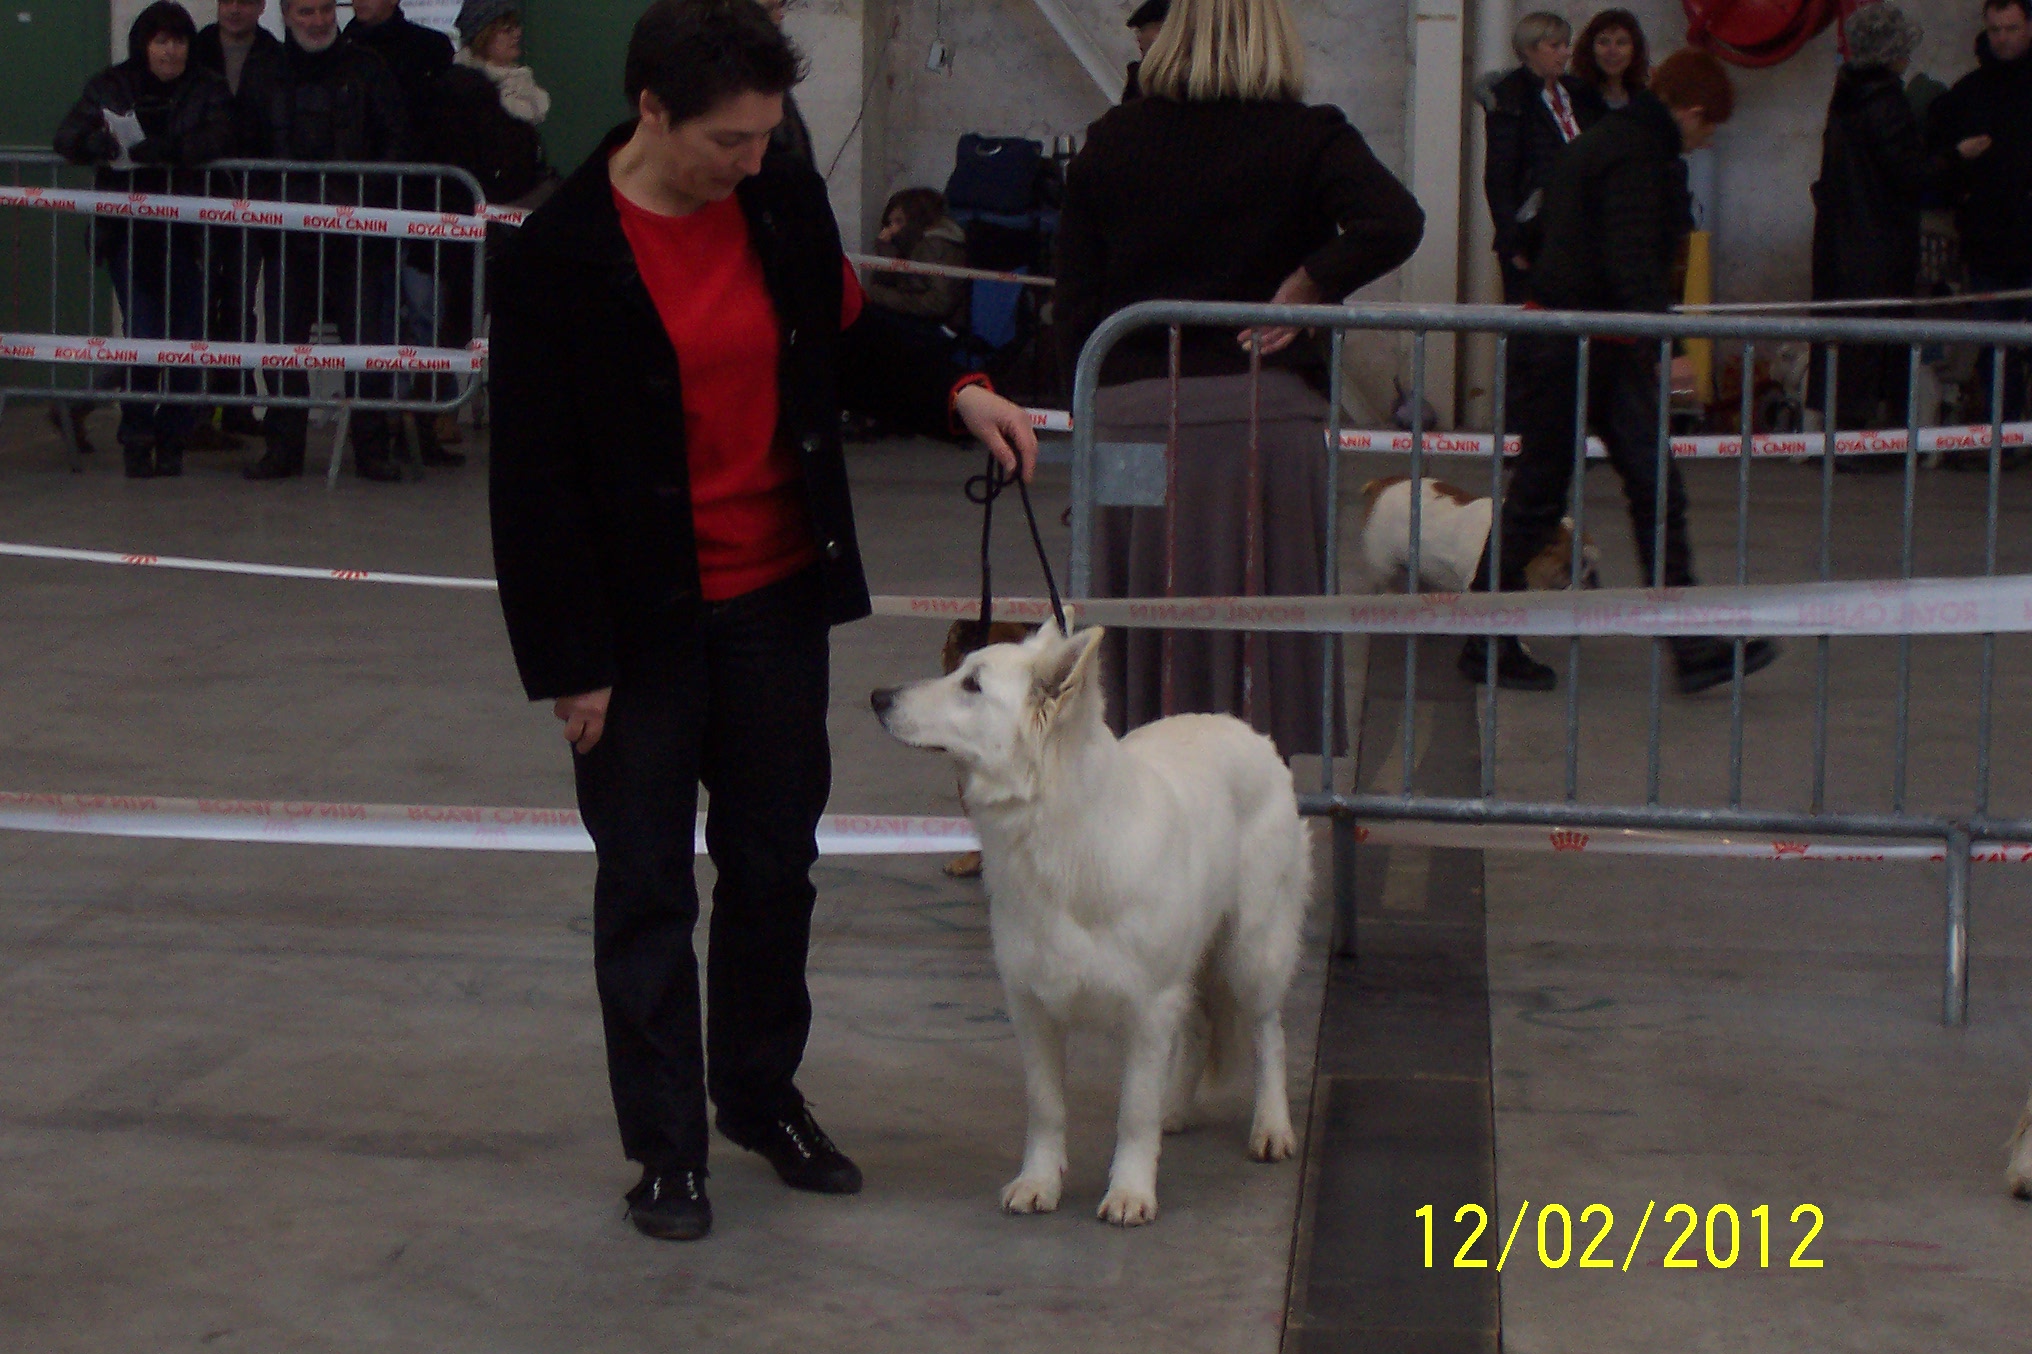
417	56
591	497
1992	194
1874	171
1616	208
208	51
338	104
1218	202
472	130
187	124
1524	143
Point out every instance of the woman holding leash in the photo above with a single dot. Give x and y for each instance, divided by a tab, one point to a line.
1220	185
673	333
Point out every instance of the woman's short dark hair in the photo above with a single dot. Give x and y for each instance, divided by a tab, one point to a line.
693	54
1584	64
921	208
162	17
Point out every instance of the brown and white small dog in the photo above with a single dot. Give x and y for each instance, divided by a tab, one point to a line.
1453	528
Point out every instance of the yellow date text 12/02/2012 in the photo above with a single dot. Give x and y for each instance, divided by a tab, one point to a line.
1719	1237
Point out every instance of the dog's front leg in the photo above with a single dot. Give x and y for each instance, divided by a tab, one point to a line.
1041	1041
1131	1199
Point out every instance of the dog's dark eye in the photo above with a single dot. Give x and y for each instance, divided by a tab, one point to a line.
971	684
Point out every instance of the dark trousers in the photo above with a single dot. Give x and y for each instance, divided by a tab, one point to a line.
1623	411
235	288
2015	359
731	696
313	280
162	295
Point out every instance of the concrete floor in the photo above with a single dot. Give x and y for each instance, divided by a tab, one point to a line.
302	1098
268	1097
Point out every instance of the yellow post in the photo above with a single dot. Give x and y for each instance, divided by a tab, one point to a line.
1700	292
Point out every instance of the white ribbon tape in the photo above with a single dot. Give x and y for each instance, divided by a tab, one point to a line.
388	223
446	827
126	352
876	263
1920	606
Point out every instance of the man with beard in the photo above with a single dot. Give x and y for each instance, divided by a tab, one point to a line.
318	96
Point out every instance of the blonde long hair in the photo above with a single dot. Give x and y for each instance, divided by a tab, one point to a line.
1225	49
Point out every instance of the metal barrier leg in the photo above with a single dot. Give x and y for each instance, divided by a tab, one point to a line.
1345	837
339	445
1954	990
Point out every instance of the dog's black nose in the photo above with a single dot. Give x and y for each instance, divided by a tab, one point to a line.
881	698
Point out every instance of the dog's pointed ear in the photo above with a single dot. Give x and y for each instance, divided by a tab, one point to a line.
1068	665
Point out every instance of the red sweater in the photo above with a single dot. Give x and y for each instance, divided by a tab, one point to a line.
747	491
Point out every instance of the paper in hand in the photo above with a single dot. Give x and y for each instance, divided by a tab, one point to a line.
126	129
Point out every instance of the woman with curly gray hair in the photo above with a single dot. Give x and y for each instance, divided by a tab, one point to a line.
1873	170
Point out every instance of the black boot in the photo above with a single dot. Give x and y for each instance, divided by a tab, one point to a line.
168	460
1516	669
799	1150
1704	661
277	463
139	458
430	450
376	464
671	1205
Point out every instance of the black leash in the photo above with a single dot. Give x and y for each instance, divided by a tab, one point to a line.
984	489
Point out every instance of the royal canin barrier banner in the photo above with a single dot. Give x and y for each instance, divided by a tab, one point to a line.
386	223
449	827
241	356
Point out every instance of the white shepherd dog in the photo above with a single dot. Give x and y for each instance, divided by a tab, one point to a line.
1156	884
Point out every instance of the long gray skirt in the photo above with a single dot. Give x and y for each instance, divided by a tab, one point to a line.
1208	667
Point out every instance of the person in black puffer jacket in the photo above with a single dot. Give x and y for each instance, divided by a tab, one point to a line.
184	117
1874	172
1532	114
1616	208
321	97
1982	131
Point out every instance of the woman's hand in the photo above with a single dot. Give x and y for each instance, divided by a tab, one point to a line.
1002	427
585	717
1298	290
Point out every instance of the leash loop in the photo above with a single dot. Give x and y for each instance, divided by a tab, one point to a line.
984	489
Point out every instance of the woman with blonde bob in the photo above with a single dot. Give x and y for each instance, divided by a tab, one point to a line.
1220	184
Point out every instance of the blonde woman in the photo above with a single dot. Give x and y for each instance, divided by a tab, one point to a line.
1221	184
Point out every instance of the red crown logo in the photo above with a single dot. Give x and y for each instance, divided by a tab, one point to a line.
1565	839
1783	849
405	352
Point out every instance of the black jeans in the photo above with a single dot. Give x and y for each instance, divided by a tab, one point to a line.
1623	411
313	280
732	696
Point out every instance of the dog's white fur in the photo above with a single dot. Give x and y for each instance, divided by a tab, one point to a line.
2019	1174
1156	884
1453	527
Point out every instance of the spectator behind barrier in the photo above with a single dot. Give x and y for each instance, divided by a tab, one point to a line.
1982	130
224	47
490	106
1146	23
1611	56
1874	174
792	136
322	97
915	227
417	56
1532	113
158	111
1220	184
1616	209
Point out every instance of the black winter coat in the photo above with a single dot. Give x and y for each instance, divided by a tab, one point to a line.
1524	143
1218	202
208	51
1992	194
1616	208
591	496
472	130
338	104
1873	172
417	56
188	124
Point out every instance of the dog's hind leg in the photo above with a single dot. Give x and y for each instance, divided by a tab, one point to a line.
1270	1134
1041	1041
1131	1199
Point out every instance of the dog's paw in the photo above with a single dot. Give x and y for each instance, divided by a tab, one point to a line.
1030	1194
1128	1207
1272	1144
1177	1121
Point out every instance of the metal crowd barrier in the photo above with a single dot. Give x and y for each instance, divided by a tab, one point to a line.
259	274
1110	476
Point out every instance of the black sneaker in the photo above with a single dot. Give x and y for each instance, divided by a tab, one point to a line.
275	465
1516	669
378	467
671	1206
799	1150
1704	661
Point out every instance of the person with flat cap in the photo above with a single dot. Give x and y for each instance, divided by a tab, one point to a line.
1147	22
